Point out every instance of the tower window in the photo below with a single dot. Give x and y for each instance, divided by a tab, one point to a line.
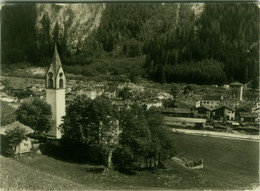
50	80
61	80
61	83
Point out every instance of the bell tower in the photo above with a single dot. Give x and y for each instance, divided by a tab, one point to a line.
55	83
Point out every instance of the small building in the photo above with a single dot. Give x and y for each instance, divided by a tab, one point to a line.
26	144
210	102
90	93
248	117
152	103
185	122
202	112
119	103
164	95
176	112
224	112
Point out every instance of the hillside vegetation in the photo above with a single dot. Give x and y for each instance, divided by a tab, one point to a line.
16	176
199	43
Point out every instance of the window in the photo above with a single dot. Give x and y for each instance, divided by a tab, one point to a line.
50	80
61	83
61	80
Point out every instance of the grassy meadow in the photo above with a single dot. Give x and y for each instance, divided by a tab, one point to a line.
228	165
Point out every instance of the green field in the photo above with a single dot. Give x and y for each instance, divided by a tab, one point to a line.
228	164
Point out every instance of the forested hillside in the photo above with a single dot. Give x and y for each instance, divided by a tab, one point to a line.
193	43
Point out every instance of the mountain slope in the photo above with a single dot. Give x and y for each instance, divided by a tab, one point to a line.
75	21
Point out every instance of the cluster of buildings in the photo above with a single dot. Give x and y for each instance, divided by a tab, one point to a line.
212	108
136	93
58	92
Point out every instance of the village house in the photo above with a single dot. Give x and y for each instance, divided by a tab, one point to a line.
90	93
119	103
210	102
248	117
26	145
202	112
244	108
224	112
164	95
152	103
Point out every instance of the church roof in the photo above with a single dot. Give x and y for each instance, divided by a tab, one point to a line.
56	63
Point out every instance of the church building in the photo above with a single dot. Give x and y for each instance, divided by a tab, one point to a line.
55	83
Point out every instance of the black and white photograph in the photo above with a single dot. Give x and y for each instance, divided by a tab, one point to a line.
129	95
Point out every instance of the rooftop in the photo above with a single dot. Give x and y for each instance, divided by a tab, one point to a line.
208	108
226	106
248	115
11	126
213	98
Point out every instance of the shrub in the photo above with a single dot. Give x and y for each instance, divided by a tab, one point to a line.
13	138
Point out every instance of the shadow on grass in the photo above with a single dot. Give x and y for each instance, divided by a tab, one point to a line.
72	154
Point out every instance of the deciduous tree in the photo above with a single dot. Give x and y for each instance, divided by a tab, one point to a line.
36	114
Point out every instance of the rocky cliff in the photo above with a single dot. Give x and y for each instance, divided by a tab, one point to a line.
76	21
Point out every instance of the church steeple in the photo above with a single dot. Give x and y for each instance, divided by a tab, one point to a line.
55	77
55	81
56	63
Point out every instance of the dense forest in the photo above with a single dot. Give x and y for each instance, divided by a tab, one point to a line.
218	45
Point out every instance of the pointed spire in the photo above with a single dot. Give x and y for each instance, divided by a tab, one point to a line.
56	63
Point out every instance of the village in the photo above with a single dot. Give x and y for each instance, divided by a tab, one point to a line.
230	109
211	113
129	96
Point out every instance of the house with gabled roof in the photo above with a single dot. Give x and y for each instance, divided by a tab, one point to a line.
152	103
248	117
224	112
25	145
202	112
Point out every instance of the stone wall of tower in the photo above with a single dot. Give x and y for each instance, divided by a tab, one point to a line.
56	98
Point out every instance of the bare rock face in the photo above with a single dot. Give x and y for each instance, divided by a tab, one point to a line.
198	9
75	21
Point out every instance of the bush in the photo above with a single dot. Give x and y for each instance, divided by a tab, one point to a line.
13	138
